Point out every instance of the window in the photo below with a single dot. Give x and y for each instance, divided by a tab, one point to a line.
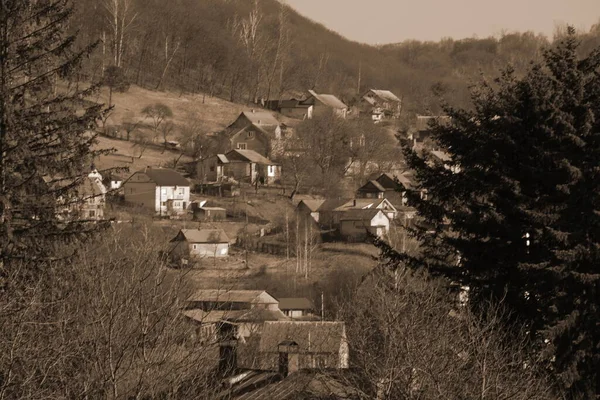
164	191
92	213
212	169
241	146
164	203
250	134
176	204
195	246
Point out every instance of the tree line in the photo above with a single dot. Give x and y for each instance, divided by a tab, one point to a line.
245	51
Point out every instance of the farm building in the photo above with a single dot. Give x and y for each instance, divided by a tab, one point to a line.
319	104
209	213
162	190
201	243
307	344
354	224
296	307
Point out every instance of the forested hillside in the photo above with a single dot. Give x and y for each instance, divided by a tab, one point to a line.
245	50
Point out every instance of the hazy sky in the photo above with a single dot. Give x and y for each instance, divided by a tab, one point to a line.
387	21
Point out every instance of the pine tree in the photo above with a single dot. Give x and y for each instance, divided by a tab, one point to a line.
521	217
45	128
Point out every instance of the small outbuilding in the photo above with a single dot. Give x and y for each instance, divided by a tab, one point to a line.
201	243
209	214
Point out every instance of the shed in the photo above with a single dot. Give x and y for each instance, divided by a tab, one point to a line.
201	243
209	214
296	307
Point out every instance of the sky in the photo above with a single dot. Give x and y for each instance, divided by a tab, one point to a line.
391	21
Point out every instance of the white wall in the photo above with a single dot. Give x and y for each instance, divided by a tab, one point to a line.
179	195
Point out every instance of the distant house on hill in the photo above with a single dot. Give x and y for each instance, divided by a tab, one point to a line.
240	165
319	104
380	105
365	204
256	130
162	190
387	186
422	129
200	243
322	211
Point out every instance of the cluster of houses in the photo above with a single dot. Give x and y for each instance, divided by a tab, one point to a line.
377	204
263	340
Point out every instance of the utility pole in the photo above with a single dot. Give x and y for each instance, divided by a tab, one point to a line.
359	77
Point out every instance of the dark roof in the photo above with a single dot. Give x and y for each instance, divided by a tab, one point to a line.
248	155
332	204
372	186
359	215
311	336
312	205
203	236
165	177
295	303
424	120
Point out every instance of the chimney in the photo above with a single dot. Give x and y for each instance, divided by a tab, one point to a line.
288	357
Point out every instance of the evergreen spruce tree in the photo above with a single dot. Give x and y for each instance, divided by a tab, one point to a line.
520	223
45	128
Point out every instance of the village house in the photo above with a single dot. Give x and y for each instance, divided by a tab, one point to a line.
422	131
380	105
87	200
240	165
258	131
322	211
291	346
310	208
231	314
200	243
202	212
365	204
164	191
355	223
320	104
296	307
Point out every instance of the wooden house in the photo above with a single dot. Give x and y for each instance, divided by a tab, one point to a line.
162	190
310	207
320	104
380	104
355	223
309	345
255	130
209	214
240	165
200	243
365	204
296	307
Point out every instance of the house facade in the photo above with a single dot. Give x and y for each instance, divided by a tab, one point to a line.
354	224
240	165
296	307
320	104
313	344
255	130
380	105
162	190
200	243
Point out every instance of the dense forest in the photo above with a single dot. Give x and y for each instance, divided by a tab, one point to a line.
245	51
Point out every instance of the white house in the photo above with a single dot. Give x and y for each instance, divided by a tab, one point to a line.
162	190
201	243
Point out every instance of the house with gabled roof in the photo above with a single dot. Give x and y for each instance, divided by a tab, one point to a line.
366	204
310	345
200	243
241	166
319	104
380	105
296	307
355	223
256	130
164	191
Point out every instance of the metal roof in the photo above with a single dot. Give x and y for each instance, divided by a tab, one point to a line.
385	95
261	117
328	99
248	155
295	303
205	235
165	177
